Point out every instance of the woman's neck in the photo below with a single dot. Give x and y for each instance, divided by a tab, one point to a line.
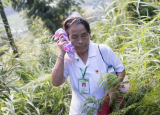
83	56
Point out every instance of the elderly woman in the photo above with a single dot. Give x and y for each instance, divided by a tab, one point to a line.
86	67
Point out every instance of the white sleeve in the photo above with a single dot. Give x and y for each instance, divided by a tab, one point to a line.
111	58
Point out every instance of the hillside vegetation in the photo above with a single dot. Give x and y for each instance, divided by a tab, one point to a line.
126	26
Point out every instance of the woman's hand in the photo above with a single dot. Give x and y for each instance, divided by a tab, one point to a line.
62	42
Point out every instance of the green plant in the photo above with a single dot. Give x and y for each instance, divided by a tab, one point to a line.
40	97
137	44
7	65
30	90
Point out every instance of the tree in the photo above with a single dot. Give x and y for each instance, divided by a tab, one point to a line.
8	30
51	12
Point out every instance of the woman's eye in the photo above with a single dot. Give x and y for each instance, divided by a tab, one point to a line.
74	37
84	35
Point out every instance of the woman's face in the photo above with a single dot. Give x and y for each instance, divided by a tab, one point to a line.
79	37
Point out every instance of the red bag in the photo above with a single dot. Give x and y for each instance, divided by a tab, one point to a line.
104	108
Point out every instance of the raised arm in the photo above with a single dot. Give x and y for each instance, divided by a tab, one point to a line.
57	73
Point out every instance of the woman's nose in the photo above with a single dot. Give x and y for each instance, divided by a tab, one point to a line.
80	41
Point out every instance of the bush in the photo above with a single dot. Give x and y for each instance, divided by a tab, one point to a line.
136	43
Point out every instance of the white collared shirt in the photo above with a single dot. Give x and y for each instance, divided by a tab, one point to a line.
95	68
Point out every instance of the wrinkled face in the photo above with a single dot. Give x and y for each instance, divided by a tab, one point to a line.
79	37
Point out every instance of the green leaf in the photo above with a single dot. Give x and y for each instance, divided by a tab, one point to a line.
6	2
6	96
14	89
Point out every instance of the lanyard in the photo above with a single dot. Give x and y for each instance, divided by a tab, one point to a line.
83	74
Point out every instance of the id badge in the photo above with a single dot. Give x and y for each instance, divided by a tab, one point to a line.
83	86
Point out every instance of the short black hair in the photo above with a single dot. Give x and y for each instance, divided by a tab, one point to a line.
79	20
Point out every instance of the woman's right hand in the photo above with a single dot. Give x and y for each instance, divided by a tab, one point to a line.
62	42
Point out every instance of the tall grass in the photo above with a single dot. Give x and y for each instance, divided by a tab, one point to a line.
136	41
25	85
25	82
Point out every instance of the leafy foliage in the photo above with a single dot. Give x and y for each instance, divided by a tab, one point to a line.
25	84
141	10
6	70
136	42
51	12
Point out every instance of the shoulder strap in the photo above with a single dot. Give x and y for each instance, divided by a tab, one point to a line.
101	53
110	68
